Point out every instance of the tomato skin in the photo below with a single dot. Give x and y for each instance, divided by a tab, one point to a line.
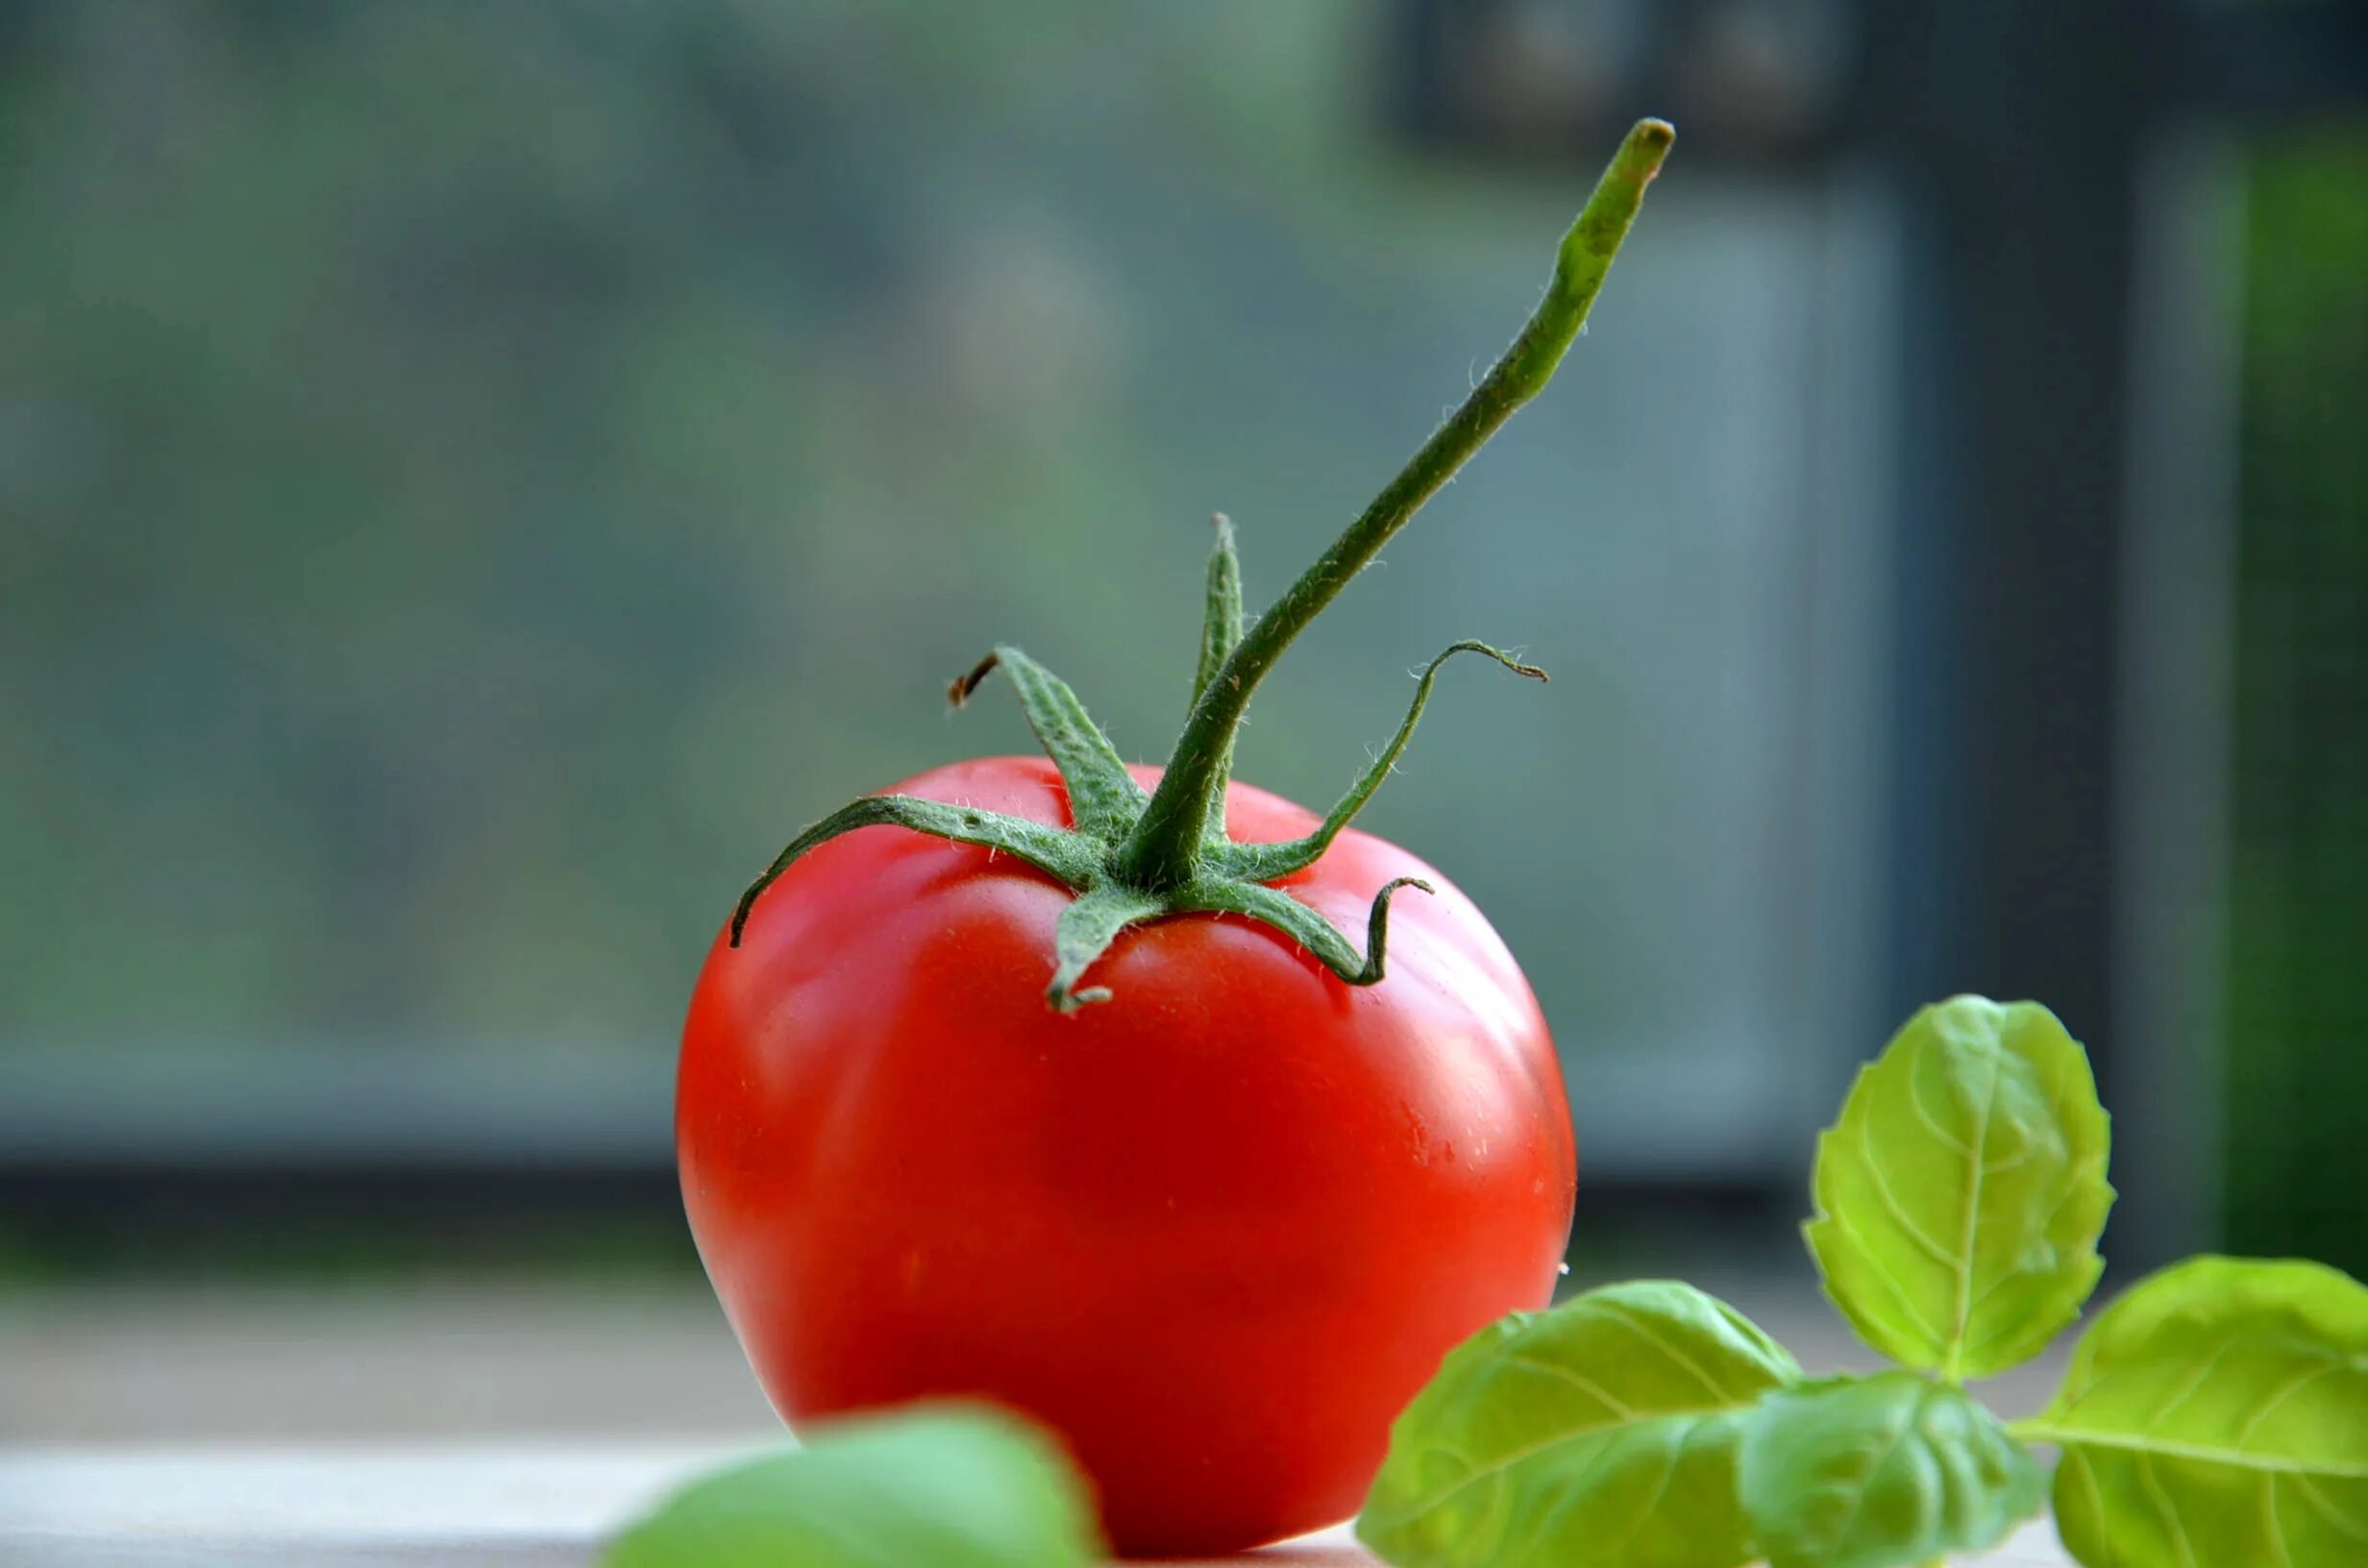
1215	1231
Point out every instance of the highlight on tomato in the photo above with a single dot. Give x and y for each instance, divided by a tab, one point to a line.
1057	1082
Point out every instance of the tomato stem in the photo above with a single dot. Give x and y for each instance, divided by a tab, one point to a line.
1165	848
1130	857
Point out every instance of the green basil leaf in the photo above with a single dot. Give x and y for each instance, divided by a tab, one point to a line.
1875	1472
1961	1194
2217	1414
948	1487
1599	1432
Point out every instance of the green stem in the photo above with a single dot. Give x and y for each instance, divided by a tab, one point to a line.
1167	843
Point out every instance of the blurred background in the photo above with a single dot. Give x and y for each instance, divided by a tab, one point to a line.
475	479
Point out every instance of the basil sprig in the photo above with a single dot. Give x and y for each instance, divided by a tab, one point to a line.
2216	1414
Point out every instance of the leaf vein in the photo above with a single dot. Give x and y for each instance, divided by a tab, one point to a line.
2344	1523
1571	1493
1586	1385
2203	1375
1673	1456
1955	1357
2166	1507
2096	1503
2276	1400
1866	1477
1530	1450
1940	1135
2200	1453
1645	1331
1890	1200
1899	1293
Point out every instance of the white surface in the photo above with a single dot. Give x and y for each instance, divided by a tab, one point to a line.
425	1507
461	1423
329	1504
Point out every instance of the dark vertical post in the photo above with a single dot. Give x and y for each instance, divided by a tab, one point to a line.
2021	124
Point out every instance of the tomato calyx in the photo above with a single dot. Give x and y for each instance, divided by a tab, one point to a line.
1106	803
1133	855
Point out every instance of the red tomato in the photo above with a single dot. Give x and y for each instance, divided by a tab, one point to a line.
1216	1231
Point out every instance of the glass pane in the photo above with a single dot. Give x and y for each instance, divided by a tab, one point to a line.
478	479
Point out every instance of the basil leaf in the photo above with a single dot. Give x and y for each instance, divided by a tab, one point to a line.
2217	1414
1961	1194
1599	1432
948	1487
1874	1472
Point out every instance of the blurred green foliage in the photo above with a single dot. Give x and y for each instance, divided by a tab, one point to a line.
2297	1018
478	478
455	460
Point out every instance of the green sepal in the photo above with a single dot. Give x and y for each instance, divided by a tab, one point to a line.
1220	628
1087	928
1220	625
1103	797
1104	801
1060	855
1265	862
1271	906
